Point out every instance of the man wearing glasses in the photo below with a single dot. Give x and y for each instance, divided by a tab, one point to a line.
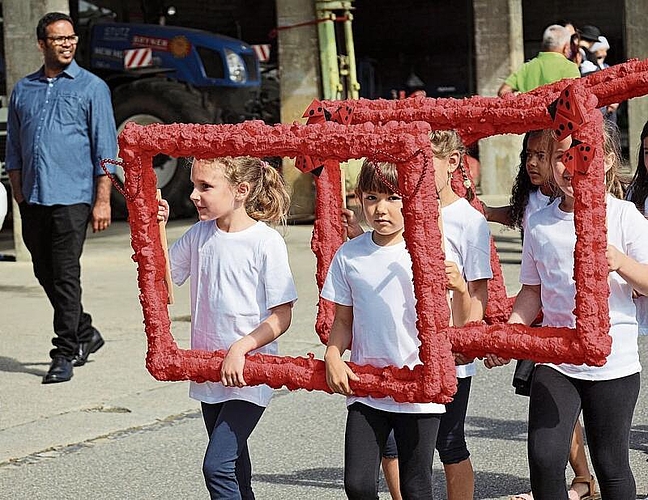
60	126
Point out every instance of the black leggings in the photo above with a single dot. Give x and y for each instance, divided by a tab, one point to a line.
608	405
451	439
366	434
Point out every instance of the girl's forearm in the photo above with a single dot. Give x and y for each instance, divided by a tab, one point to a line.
270	329
478	299
341	331
501	215
527	305
635	274
461	305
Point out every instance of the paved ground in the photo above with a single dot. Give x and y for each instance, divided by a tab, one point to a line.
114	432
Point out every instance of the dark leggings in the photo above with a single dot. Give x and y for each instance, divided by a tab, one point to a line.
451	439
366	434
226	467
608	405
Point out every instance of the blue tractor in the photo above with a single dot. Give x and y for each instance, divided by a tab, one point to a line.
166	74
162	74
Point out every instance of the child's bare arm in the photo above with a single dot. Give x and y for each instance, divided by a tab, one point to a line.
269	329
461	301
633	272
467	307
338	372
478	290
525	310
498	214
527	305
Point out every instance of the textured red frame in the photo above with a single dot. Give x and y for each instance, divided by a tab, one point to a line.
478	117
433	380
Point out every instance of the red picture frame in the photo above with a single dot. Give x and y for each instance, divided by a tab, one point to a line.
374	134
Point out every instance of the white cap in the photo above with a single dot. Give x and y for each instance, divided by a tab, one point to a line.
602	44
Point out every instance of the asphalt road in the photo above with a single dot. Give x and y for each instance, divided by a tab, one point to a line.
114	432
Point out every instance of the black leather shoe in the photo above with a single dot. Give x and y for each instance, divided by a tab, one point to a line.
60	371
84	350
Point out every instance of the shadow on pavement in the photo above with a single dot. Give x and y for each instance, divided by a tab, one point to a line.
639	438
490	485
491	428
14	366
323	477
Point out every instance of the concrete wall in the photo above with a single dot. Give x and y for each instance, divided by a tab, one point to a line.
300	84
498	52
636	35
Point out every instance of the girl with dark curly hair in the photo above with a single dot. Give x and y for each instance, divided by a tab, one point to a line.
533	188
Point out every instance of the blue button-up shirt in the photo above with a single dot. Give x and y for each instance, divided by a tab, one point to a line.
58	130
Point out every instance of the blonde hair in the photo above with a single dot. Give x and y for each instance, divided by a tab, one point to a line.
446	142
268	200
612	145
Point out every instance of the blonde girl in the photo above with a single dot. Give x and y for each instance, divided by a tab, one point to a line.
242	293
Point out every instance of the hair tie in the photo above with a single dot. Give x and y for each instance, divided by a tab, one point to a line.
264	165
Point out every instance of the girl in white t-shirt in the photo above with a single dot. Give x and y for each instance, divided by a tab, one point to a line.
242	293
533	188
467	246
607	395
638	194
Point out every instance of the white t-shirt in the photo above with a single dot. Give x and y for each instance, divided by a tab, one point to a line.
537	201
3	204
641	303
548	260
467	244
377	282
236	278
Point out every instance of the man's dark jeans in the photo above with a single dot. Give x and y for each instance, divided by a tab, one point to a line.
54	235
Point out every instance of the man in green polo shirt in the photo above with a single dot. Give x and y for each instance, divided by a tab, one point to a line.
550	65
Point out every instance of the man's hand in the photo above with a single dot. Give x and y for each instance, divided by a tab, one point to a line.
15	179
163	211
100	216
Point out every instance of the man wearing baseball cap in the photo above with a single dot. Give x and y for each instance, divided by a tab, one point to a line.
589	35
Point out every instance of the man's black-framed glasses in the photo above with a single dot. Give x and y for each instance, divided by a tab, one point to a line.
60	40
